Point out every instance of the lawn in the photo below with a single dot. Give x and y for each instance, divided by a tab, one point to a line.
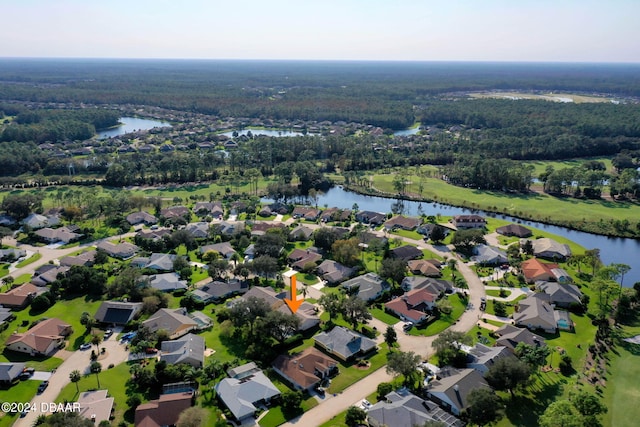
39	363
623	389
275	417
496	293
31	259
21	392
383	316
113	379
23	278
350	373
445	320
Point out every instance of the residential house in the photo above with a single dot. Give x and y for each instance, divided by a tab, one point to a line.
176	212
154	235
141	217
163	411
371	218
516	230
333	272
305	212
36	221
7	220
344	343
489	255
367	287
534	270
413	305
404	409
42	339
425	267
225	249
406	253
96	405
306	369
307	313
510	336
117	312
301	233
20	296
259	228
300	258
11	254
561	295
550	249
54	235
189	350
536	312
426	229
212	209
6	315
84	259
10	371
199	230
165	282
159	262
175	321
468	221
403	223
242	393
50	273
217	291
481	358
451	392
335	214
124	250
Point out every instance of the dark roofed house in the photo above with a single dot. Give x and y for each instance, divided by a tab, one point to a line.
12	254
535	312
213	209
404	409
117	312
306	312
306	369
333	272
164	411
514	230
48	275
216	291
510	336
189	350
451	392
199	230
9	372
299	258
372	218
481	358
83	259
406	252
344	343
402	222
176	212
562	295
367	286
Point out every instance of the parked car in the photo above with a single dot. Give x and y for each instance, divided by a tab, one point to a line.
108	333
407	326
25	375
43	386
151	350
85	346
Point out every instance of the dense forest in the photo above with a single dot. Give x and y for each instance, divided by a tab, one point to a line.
477	143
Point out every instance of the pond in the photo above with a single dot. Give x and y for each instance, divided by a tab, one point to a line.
130	124
265	132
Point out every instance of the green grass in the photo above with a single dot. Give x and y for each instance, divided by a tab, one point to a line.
33	258
445	320
383	316
622	390
21	392
350	373
496	293
113	380
275	417
39	363
23	278
4	270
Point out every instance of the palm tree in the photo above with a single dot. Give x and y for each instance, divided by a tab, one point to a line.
75	376
96	340
96	368
452	263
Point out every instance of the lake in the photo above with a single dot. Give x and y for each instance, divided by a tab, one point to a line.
612	249
131	124
265	132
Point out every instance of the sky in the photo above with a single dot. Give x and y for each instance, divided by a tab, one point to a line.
386	30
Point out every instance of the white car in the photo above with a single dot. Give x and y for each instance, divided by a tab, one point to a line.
85	346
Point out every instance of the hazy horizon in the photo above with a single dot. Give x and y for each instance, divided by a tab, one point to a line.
539	31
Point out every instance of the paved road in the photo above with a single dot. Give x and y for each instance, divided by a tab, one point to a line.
80	360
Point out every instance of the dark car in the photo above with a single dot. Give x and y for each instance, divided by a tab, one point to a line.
42	387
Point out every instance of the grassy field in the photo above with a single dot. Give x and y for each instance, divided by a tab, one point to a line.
383	316
33	258
445	320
